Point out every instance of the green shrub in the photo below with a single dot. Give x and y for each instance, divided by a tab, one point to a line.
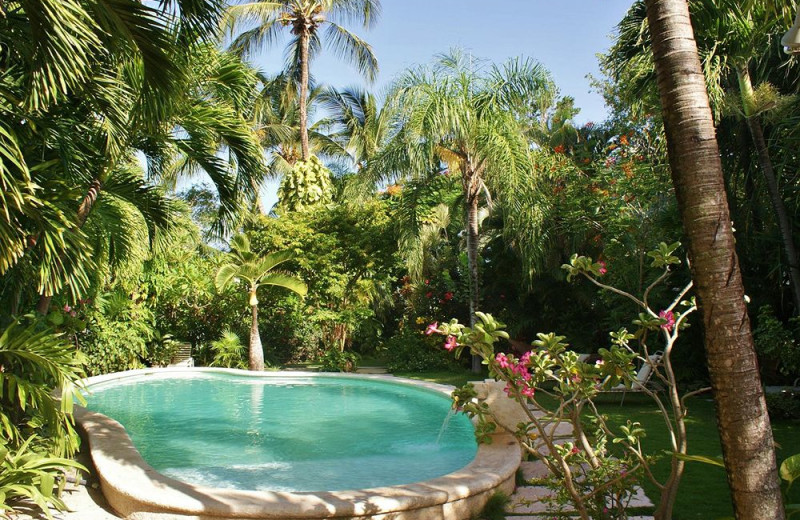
411	351
337	361
229	351
785	405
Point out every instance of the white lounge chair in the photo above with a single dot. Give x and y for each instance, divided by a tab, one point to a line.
643	378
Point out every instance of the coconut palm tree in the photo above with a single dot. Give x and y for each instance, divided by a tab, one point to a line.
256	271
305	20
456	114
694	158
358	124
732	37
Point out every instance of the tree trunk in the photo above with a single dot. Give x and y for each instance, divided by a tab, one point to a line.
742	418
303	102
473	239
256	350
765	163
85	208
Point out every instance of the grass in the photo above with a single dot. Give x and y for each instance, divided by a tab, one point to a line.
703	493
446	377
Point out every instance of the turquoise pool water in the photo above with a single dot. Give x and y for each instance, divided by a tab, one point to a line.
300	433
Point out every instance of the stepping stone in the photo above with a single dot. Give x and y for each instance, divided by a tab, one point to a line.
533	469
529	500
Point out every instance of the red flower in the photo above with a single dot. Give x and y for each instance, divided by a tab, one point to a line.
448	296
428	294
559	149
603	269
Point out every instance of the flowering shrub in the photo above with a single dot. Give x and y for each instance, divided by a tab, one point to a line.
585	475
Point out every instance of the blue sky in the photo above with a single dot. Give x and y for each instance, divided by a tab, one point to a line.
563	35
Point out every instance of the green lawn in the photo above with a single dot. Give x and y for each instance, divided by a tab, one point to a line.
704	491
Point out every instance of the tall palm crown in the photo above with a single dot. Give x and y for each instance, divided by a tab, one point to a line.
467	118
305	20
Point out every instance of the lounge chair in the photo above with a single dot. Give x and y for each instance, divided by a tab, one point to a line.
643	378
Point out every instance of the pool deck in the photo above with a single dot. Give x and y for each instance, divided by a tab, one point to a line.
137	491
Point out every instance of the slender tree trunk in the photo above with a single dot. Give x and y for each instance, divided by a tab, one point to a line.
85	208
744	425
303	104
256	354
473	240
765	163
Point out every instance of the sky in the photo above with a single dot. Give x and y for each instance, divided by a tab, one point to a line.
563	35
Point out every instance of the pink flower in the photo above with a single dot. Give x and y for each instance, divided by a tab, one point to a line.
603	269
575	450
599	363
527	391
433	327
67	308
669	317
576	378
450	343
502	360
507	389
427	282
522	371
526	358
73	314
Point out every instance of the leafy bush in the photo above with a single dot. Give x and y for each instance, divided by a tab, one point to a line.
777	341
785	405
339	361
411	351
117	334
27	474
36	427
161	349
229	351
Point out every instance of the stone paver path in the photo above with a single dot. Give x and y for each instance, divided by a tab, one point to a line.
529	502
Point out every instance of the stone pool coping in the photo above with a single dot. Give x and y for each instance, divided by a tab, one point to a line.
138	492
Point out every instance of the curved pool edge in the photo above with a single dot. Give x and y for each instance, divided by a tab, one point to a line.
137	491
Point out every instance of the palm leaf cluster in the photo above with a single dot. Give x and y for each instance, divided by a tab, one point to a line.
80	108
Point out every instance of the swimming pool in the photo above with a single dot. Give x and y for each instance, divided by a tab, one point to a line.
302	433
220	461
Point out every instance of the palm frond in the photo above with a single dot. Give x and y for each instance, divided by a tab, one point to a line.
353	49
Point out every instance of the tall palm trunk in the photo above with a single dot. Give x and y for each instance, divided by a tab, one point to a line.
303	104
742	418
256	353
765	163
473	239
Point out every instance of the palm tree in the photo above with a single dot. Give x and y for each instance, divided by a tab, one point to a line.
305	18
453	114
358	124
256	271
276	123
694	158
732	36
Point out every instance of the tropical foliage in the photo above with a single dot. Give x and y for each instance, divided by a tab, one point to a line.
133	149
